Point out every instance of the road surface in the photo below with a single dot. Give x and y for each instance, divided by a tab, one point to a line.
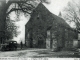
37	53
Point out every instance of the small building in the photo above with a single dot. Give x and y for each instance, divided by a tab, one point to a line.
46	30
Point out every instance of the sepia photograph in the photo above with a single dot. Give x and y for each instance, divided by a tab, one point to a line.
40	28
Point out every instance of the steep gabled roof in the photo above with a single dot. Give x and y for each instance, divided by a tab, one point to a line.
47	16
61	21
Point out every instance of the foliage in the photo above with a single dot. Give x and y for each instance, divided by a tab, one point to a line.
25	6
11	29
72	13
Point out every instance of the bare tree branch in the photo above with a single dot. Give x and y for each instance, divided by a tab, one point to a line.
73	13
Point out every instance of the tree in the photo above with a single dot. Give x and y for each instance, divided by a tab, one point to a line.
72	14
19	6
11	29
25	6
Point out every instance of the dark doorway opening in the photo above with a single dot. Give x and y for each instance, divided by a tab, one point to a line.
31	43
40	44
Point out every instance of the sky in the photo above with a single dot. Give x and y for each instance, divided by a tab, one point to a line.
54	7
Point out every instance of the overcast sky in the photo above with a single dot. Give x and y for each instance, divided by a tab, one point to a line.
56	6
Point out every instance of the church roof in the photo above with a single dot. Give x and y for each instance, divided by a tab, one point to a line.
48	17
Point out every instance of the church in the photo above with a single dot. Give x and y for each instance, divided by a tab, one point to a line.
46	30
